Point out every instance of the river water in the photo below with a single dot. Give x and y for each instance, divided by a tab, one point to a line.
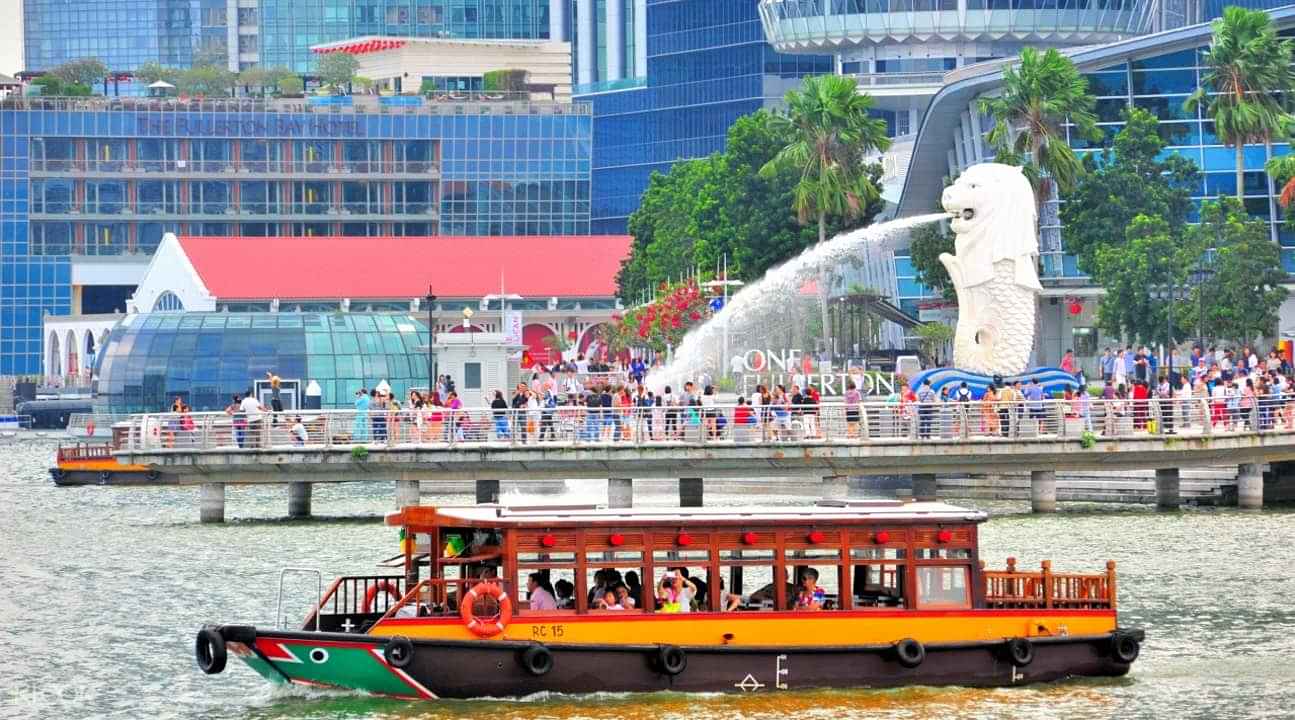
102	590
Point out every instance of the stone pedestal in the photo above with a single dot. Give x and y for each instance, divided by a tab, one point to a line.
1043	491
299	499
620	493
487	492
690	492
1250	486
1168	494
211	508
407	492
925	488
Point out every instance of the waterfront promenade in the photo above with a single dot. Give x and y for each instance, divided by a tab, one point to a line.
829	441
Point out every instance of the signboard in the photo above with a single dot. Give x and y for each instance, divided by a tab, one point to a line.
512	329
793	366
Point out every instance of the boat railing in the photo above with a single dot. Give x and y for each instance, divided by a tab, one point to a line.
437	596
358	596
1014	588
84	451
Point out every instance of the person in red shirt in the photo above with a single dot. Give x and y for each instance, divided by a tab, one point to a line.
1140	397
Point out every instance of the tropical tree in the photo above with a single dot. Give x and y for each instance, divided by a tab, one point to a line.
151	72
1039	95
206	81
1249	70
337	69
1242	299
1282	171
831	134
85	71
927	244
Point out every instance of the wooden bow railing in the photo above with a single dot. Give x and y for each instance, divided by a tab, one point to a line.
1045	589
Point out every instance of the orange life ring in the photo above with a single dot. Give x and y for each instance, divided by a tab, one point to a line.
489	626
372	593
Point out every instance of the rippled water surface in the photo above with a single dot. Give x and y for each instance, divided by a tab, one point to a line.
103	590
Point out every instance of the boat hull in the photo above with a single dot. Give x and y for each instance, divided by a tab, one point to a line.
468	669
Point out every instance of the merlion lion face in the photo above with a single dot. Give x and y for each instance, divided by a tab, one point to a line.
980	192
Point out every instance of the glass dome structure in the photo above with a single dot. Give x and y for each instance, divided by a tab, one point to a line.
205	357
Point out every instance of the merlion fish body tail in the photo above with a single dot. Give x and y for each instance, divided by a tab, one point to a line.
995	327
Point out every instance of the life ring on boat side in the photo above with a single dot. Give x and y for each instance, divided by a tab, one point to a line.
910	652
372	593
486	625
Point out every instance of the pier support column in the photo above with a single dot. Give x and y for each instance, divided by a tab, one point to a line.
407	490
1168	489
690	492
299	499
925	488
1043	491
211	508
836	487
1250	486
620	493
487	492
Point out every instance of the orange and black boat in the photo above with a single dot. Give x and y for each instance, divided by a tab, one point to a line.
93	464
497	601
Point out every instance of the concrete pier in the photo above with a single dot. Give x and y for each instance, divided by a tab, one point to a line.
690	492
1168	489
620	492
925	488
1250	486
836	487
212	503
407	491
487	492
1043	491
299	499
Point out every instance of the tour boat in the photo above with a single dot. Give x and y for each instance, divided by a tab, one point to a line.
93	464
901	598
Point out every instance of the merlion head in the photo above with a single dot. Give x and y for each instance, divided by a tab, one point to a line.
994	218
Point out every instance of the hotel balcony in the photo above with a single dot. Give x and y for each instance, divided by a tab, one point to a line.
816	26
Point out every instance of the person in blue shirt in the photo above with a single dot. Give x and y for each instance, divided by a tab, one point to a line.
637	369
1108	365
1129	359
1034	401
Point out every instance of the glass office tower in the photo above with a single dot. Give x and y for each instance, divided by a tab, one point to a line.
707	64
124	34
91	181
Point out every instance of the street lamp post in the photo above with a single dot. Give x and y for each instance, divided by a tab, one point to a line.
1199	278
431	341
1169	293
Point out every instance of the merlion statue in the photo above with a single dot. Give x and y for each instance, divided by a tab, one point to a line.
994	270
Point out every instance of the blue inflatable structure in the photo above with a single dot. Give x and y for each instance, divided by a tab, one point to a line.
1053	380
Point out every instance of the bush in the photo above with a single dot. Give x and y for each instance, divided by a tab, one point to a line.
504	81
290	86
359	453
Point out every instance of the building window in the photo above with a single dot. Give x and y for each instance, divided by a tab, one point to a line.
167	302
1084	341
472	376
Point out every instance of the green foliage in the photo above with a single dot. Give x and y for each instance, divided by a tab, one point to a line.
151	72
85	71
359	453
261	80
504	81
933	337
1087	439
337	69
206	81
1038	95
1151	253
704	209
1242	299
1128	182
53	87
927	243
291	86
1249	71
1282	171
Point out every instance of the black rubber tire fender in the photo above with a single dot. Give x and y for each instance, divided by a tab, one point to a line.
209	649
153	475
536	660
909	652
671	659
104	477
1125	648
1020	651
399	651
245	634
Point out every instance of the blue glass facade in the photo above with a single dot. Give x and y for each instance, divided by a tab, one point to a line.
122	33
204	358
80	179
289	27
707	65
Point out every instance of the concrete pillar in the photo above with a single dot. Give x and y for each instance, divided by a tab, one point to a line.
615	40
1043	491
487	492
836	487
1250	486
925	488
690	492
620	492
299	499
1168	496
586	45
211	508
640	38
558	20
407	491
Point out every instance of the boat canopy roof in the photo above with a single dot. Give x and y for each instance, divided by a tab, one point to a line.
836	512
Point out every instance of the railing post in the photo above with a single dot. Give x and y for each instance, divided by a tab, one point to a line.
1062	419
205	443
1207	421
1110	583
1047	583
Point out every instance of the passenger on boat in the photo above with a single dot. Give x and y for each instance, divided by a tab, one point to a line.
609	601
731	600
604	580
624	597
565	593
676	593
540	593
811	596
635	586
698	583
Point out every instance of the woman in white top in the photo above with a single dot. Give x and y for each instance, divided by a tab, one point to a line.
1121	373
533	414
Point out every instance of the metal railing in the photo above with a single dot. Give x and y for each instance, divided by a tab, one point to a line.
779	423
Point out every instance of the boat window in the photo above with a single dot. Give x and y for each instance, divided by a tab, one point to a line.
675	557
614	589
746	555
814	554
877	578
942	553
941	586
558	584
817	588
671	596
546	559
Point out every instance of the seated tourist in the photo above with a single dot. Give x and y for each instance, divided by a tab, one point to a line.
566	594
609	601
624	597
676	593
539	593
811	595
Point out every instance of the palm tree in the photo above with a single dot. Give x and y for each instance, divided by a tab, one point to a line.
1249	70
1039	95
830	133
